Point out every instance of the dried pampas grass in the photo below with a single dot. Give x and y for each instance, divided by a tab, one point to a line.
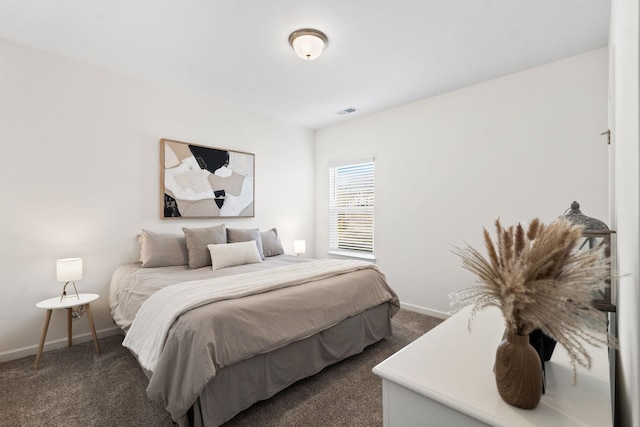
538	279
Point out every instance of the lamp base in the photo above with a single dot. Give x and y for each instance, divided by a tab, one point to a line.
64	290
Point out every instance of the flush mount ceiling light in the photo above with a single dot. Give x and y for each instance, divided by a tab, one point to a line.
308	43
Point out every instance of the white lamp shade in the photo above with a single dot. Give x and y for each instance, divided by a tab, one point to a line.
69	269
308	43
299	246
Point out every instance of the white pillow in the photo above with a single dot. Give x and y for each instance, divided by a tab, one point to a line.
231	254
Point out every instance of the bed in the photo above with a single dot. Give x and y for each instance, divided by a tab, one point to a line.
213	341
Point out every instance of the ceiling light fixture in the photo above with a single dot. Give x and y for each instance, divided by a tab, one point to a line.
308	43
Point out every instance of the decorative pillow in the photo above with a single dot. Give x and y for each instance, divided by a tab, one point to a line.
233	254
197	241
271	244
162	250
235	235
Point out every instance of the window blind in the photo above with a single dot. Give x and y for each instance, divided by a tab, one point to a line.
351	207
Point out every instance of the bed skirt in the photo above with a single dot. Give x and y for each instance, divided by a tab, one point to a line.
237	387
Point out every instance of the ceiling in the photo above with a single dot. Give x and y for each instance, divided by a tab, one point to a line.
381	53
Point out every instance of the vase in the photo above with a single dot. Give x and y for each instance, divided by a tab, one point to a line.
543	344
518	372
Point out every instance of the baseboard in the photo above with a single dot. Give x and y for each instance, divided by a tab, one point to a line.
77	339
31	350
427	311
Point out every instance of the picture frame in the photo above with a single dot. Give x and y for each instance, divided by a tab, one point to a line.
197	181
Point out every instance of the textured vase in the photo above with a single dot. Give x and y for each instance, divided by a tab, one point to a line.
518	372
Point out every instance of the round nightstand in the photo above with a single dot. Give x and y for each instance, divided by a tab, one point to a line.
68	302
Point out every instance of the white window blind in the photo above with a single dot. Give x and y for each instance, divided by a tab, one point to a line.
351	208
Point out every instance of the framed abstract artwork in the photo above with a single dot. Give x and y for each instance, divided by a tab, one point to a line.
205	182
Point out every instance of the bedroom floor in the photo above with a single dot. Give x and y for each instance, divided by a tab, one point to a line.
76	387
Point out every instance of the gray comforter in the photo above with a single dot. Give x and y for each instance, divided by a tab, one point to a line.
208	338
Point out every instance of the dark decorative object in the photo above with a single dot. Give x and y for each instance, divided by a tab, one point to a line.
595	234
205	182
518	372
544	346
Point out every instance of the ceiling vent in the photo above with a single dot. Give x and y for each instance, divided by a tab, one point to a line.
346	111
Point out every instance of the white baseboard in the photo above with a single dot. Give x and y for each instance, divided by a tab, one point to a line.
18	353
423	310
31	350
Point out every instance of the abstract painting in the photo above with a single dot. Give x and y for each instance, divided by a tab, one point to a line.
205	182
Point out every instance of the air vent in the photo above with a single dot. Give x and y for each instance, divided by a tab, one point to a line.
346	111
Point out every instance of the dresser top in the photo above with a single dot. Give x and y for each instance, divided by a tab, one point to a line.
453	365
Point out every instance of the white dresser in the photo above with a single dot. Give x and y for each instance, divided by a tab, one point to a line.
445	379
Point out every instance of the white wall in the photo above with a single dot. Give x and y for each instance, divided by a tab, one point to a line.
517	147
80	175
625	36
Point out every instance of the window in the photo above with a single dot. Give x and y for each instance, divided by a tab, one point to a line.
351	208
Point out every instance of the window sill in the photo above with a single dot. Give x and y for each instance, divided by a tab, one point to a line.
347	254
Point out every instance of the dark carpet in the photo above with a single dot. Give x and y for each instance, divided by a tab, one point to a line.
76	387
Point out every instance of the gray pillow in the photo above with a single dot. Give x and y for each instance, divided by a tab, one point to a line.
271	244
162	250
235	235
197	241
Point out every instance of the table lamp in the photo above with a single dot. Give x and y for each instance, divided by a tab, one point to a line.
299	247
69	270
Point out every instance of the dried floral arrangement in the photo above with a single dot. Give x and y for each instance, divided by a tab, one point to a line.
538	279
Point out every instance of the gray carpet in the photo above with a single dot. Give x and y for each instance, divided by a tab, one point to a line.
76	387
